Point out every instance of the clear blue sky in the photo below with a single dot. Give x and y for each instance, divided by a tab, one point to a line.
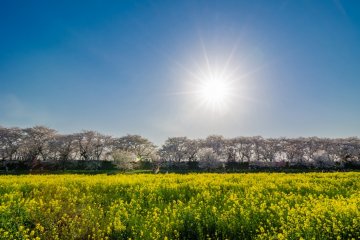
121	67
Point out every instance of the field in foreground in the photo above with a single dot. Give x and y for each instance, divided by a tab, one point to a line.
194	206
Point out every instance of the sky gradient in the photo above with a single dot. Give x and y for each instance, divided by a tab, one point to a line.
121	67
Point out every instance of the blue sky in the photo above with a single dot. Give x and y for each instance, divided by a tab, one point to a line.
123	67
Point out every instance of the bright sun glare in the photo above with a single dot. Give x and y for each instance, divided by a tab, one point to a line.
216	83
214	92
214	89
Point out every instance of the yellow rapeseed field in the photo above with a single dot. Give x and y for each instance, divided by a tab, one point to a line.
171	206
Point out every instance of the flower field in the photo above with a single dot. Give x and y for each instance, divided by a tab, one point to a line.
170	206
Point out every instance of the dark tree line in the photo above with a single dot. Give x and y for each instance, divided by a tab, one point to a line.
41	144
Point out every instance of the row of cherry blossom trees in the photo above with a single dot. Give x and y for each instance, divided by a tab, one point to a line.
40	143
260	152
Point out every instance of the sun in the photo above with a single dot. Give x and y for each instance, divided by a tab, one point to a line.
215	83
214	89
214	92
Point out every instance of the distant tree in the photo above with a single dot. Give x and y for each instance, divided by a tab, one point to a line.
208	159
348	150
309	146
230	150
175	149
294	149
123	160
322	160
102	146
63	148
144	149
257	143
11	140
192	147
243	148
85	142
92	145
36	143
217	143
269	148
